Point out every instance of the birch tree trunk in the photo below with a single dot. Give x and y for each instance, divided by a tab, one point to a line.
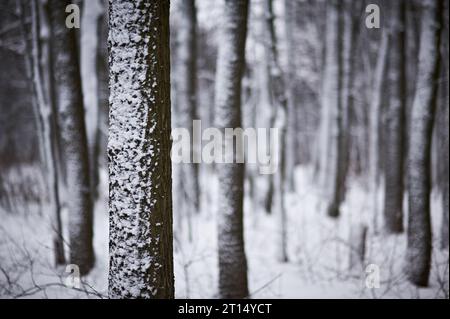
419	171
73	133
230	69
140	196
395	122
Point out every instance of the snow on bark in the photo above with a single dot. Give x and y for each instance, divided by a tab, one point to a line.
69	99
394	156
140	200
230	68
419	172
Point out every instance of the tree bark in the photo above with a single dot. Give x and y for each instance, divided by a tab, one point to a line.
230	68
71	122
395	122
419	171
140	196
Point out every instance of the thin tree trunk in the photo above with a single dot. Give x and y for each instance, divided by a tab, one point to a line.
290	150
140	197
374	126
395	125
43	97
279	111
73	132
187	100
230	69
331	109
419	170
88	61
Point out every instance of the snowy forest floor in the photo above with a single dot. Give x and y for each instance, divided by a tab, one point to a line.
318	249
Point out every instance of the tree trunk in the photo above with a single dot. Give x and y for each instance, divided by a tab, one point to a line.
230	68
71	122
419	171
187	101
395	122
279	111
331	110
42	90
89	47
140	196
290	150
374	126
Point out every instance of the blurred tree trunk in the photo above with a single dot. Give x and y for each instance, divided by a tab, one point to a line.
419	170
443	130
291	131
279	113
69	98
330	125
230	69
140	181
374	125
395	122
39	61
88	61
351	14
186	75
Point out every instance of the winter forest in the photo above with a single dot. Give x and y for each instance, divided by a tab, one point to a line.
224	149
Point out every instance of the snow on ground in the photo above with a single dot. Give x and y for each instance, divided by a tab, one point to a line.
318	252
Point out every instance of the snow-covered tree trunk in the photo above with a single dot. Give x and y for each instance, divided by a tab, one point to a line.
69	99
279	121
42	90
419	171
230	69
374	126
187	104
394	156
140	184
331	108
88	61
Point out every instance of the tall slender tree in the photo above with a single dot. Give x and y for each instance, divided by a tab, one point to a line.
394	156
280	109
69	99
331	112
230	68
374	125
186	105
140	185
38	60
419	171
